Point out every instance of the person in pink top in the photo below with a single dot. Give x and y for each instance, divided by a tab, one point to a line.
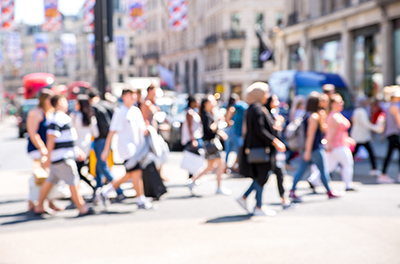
338	142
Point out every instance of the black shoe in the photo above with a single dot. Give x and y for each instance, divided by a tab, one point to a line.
351	190
312	187
120	198
90	211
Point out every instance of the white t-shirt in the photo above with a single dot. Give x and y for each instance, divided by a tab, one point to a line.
85	133
129	124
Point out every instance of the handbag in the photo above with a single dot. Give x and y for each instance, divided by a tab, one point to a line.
258	155
213	146
192	162
39	172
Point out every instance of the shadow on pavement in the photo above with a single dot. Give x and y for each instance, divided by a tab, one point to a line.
25	217
12	201
229	219
183	197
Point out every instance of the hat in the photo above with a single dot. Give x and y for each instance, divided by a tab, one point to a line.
396	93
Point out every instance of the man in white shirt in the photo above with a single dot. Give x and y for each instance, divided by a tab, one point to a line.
128	123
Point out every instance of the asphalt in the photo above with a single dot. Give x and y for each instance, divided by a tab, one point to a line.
360	227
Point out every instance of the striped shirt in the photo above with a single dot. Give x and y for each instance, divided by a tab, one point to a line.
65	136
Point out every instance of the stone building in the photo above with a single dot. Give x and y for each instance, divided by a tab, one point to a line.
359	39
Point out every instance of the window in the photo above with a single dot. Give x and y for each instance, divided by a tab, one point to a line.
235	58
131	60
397	51
235	22
153	71
187	76
119	22
121	78
195	76
120	61
131	75
279	19
131	45
255	58
260	20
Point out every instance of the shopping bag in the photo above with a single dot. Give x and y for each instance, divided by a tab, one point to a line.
152	182
192	162
39	172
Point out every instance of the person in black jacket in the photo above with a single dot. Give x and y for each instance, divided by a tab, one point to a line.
259	134
103	112
210	131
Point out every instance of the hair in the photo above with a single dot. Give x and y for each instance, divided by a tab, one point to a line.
297	101
233	99
85	109
313	102
127	90
327	88
255	92
203	105
55	99
151	87
191	99
43	96
333	99
93	93
268	103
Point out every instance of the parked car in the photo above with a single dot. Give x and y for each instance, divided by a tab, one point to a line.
287	84
23	110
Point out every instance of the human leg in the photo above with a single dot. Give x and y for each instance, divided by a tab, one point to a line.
392	144
44	191
80	165
319	159
259	191
344	156
371	155
302	168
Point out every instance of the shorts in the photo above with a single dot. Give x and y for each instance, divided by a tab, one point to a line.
65	170
137	167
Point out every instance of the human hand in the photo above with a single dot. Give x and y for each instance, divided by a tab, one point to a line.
104	155
307	156
81	155
279	146
195	144
43	151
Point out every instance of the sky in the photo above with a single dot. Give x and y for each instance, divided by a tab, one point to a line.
32	11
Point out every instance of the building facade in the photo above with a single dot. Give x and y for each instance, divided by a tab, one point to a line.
217	52
359	39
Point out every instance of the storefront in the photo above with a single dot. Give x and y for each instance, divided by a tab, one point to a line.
367	68
328	54
396	43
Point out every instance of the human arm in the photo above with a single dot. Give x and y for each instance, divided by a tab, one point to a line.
394	110
94	129
229	115
32	124
189	119
107	146
145	108
312	126
50	143
362	117
333	124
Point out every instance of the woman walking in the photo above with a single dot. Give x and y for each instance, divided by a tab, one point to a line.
361	132
213	154
85	124
392	133
259	134
314	152
338	142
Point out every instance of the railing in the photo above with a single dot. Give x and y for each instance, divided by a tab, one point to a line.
234	34
292	19
151	55
211	39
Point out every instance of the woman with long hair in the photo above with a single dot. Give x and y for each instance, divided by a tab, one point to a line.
314	151
36	124
259	134
210	131
85	123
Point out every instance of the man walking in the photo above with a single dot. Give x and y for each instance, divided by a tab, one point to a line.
61	157
128	123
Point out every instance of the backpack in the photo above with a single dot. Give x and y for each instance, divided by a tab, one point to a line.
296	134
103	115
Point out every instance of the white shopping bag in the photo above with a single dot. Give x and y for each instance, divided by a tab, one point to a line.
192	162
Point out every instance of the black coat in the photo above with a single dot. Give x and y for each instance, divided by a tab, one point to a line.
259	134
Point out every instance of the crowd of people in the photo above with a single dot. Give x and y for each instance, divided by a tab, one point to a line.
253	128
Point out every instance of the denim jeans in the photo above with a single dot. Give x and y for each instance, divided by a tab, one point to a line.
318	157
233	143
259	190
101	166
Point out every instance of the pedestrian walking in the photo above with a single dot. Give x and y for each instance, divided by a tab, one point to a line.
192	129
85	124
36	125
61	137
392	132
212	146
103	111
129	125
259	135
234	118
361	132
314	151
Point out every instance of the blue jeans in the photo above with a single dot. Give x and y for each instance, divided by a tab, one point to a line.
317	157
101	166
259	190
233	143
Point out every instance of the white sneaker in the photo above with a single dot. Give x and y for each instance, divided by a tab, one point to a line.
146	205
375	173
243	203
384	179
263	212
191	184
224	191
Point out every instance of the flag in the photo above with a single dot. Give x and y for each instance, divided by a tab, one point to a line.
68	43
137	14
7	14
167	76
88	15
177	14
121	46
265	53
59	59
91	39
40	53
52	17
13	49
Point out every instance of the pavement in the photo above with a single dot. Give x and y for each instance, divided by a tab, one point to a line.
360	227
